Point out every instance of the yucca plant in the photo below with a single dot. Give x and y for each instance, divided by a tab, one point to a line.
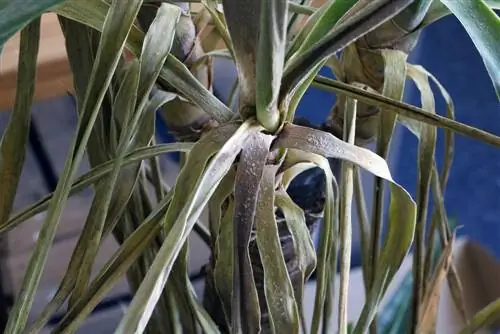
132	58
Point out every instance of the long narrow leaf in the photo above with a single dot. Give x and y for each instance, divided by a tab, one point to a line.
373	15
270	61
346	194
92	13
279	292
243	22
113	270
326	264
484	318
202	152
181	216
402	207
427	146
302	242
393	88
319	24
115	31
405	109
430	301
15	14
15	137
92	176
246	312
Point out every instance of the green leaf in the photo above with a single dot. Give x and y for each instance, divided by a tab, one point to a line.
484	318
15	137
438	182
318	25
189	177
92	14
393	88
15	14
438	10
156	47
279	292
401	213
328	243
216	213
427	146
116	28
270	61
92	176
483	26
246	312
219	22
324	143
346	194
302	242
188	201
405	109
373	15
224	263
243	20
113	270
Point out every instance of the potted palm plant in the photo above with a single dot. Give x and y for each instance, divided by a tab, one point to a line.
130	58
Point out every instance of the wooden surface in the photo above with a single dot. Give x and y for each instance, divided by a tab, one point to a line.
53	77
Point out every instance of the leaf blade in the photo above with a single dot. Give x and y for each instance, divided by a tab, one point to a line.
15	137
279	292
270	61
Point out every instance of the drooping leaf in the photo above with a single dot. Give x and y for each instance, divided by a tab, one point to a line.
15	14
115	30
328	242
246	312
92	14
405	109
427	146
92	176
323	143
279	292
189	175
94	224
186	206
402	209
302	242
393	88
15	137
430	301
438	182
